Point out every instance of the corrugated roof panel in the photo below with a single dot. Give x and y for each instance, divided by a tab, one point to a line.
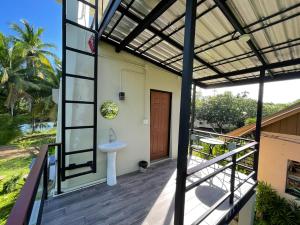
125	26
142	8
286	69
203	73
216	81
168	48
226	57
178	36
140	39
113	21
245	76
171	14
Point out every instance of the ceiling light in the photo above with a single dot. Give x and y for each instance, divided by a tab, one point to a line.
245	37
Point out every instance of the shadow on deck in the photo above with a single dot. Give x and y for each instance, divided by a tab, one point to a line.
145	198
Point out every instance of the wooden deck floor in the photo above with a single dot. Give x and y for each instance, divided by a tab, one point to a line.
142	198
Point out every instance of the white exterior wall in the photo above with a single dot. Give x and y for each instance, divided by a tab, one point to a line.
136	77
116	72
124	72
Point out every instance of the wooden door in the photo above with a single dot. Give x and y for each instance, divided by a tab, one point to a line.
160	124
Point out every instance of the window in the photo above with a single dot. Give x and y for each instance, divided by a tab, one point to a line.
293	178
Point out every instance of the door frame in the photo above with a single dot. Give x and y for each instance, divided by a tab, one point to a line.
169	127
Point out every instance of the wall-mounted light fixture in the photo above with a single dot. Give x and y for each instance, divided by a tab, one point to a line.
121	95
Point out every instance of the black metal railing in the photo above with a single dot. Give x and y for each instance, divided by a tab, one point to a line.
229	143
29	205
229	160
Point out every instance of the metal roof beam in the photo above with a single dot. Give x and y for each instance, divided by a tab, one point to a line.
158	10
255	80
265	50
253	69
144	57
166	38
109	13
238	27
229	35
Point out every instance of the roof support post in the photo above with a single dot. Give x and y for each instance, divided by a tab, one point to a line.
185	104
192	116
259	119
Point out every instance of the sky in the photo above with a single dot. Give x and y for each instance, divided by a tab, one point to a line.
40	13
47	14
275	92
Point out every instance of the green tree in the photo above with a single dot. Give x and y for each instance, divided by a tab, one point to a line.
44	108
230	112
27	73
224	110
36	51
13	80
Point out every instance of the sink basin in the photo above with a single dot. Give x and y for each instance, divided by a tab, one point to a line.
111	149
112	146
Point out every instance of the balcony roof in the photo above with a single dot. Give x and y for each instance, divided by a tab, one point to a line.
234	39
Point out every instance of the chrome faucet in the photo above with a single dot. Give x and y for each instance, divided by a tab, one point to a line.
112	135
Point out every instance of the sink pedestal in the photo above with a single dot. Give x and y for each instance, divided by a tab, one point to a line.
111	178
111	149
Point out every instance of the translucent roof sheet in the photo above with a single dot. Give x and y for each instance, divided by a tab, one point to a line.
273	26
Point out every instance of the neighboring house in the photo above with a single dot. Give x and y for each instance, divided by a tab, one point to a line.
279	157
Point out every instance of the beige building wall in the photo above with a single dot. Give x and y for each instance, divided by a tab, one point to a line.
275	151
124	72
116	72
121	72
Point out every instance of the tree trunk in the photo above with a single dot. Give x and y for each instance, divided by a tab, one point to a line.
12	110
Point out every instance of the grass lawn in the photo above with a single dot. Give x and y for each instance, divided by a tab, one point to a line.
12	166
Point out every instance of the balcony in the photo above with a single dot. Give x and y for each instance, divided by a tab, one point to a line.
217	187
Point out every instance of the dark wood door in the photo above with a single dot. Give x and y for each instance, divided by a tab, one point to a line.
160	124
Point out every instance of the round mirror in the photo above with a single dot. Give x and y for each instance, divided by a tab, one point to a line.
109	110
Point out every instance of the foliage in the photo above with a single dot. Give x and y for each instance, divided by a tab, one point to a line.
271	108
9	127
227	112
11	184
36	139
26	73
250	121
8	168
272	209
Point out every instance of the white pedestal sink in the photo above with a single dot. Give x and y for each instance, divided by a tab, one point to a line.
111	149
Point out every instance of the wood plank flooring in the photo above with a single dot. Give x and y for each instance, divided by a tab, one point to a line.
142	199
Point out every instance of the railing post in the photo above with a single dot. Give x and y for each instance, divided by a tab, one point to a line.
258	120
192	117
232	179
58	169
45	180
185	109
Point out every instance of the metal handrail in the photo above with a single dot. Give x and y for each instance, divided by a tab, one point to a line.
223	135
208	163
231	165
22	210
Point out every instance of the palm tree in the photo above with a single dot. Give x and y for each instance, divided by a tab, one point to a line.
36	51
13	72
44	107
